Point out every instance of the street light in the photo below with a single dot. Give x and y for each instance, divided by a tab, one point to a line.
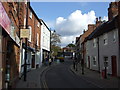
25	63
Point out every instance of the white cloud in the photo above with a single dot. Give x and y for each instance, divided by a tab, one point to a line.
75	23
65	40
72	26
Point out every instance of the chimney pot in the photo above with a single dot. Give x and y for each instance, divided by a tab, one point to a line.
96	19
99	18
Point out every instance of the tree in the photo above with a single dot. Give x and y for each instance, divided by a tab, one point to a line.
55	40
71	45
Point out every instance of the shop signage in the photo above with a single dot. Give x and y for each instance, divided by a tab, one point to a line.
24	33
4	19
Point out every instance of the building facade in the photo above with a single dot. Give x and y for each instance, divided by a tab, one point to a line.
104	41
45	41
9	25
34	40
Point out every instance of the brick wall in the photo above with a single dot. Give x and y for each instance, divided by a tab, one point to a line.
16	17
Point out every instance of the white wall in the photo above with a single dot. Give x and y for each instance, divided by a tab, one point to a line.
45	36
110	49
45	39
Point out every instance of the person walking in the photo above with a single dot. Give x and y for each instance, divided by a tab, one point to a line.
50	61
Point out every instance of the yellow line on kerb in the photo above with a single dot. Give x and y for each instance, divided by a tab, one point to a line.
45	85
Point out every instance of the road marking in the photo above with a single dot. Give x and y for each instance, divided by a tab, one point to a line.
45	85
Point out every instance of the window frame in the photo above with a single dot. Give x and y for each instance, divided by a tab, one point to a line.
105	39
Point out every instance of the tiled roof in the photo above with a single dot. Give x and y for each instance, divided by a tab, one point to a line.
104	28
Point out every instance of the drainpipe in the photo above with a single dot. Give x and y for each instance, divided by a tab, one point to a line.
98	55
119	31
82	61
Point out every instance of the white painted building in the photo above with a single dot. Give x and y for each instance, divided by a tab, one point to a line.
102	49
45	41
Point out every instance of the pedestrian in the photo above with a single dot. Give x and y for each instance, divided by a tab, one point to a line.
50	61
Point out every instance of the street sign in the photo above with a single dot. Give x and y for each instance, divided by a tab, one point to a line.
24	33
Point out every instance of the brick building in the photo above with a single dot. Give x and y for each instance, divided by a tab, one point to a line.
13	17
9	25
33	43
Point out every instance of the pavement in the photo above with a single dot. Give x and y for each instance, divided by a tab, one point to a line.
33	77
96	78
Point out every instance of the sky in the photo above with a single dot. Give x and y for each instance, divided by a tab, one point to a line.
69	19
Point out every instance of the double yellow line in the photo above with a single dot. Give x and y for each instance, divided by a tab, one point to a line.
45	85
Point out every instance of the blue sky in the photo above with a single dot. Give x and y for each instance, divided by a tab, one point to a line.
52	10
69	19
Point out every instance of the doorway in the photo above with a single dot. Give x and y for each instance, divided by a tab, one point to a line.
114	65
89	62
33	61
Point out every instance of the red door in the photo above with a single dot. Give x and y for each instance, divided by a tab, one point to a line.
114	66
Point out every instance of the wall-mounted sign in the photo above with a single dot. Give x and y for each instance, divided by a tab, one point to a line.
24	33
4	19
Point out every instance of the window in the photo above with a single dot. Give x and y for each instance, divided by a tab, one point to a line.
30	36
105	61
114	36
105	40
94	42
94	60
37	39
38	24
30	15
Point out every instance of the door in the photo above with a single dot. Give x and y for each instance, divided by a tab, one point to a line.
33	61
88	61
114	66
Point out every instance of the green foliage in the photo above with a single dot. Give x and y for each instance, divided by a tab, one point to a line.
71	45
55	38
55	49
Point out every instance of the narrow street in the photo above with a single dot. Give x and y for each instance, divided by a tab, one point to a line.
59	44
60	76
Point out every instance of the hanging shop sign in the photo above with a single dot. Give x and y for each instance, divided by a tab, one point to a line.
4	19
24	33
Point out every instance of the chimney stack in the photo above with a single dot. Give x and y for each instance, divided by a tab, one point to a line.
112	10
84	31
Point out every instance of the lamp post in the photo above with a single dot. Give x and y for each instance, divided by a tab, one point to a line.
25	61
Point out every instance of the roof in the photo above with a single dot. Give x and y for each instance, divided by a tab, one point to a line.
104	28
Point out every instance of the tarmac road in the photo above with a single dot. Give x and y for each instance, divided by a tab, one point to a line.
61	76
